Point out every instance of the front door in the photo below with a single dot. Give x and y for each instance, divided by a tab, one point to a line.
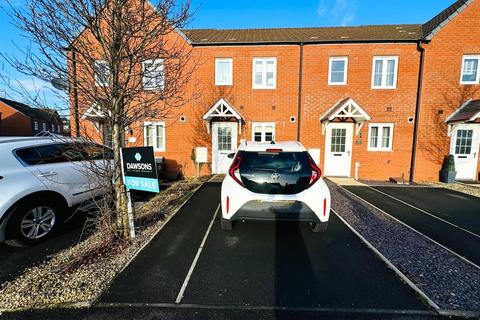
338	149
464	146
224	142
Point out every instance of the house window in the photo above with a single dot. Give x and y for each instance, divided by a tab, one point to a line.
223	72
380	136
263	131
53	127
264	73
102	73
58	128
385	70
154	135
338	70
153	76
44	126
470	70
35	125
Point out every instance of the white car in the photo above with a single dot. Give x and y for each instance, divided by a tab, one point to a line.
41	178
275	181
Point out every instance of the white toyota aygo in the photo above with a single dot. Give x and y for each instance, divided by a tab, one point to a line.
275	181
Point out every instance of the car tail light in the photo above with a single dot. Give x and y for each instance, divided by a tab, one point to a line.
316	172
324	207
228	204
234	170
274	150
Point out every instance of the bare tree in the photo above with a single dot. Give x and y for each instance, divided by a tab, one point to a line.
124	60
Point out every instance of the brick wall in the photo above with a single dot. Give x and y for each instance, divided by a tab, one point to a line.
14	123
442	92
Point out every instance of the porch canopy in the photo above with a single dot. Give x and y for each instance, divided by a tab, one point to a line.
222	110
343	110
469	112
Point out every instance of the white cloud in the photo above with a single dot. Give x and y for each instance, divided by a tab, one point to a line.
338	11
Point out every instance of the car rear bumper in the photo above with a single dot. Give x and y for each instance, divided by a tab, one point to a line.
275	211
311	205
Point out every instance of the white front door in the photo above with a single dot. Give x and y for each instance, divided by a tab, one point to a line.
464	146
224	142
338	149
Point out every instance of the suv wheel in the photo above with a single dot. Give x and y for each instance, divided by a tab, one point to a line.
33	221
319	227
227	225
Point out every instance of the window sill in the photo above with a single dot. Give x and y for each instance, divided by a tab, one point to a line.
224	85
379	150
469	83
337	84
262	88
384	88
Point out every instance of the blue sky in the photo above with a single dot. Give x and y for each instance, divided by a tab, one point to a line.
256	14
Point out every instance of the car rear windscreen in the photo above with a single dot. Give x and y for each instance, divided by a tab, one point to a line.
275	172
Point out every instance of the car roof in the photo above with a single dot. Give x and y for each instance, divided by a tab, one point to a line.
286	146
32	141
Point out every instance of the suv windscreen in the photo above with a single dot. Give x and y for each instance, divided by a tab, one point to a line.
275	172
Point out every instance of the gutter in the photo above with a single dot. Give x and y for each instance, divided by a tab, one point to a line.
420	49
300	84
296	43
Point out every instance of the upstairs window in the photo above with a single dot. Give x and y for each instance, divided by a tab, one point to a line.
154	135
263	131
102	73
264	73
338	69
385	71
223	72
35	125
153	76
470	70
380	136
53	127
44	126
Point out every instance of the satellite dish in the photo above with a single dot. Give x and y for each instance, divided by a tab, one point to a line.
59	84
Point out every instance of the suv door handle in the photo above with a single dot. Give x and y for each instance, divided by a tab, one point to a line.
47	174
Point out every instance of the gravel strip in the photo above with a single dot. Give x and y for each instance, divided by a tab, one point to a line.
55	282
450	282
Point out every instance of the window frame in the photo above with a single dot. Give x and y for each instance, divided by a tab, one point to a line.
383	85
162	72
466	57
35	125
228	83
263	125
98	83
263	85
345	71
44	126
380	127
156	124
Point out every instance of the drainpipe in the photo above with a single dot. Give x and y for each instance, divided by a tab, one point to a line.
75	94
300	76
420	49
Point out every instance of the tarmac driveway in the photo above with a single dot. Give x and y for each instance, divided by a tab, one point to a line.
192	263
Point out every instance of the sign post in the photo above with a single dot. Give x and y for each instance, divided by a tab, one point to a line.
139	172
201	156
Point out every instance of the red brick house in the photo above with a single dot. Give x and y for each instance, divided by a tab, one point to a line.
371	102
18	119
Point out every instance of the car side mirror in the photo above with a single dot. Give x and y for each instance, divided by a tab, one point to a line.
231	155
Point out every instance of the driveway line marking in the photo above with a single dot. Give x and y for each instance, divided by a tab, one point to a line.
399	273
195	260
266	308
427	213
413	229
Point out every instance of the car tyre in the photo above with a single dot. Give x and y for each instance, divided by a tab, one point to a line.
319	227
227	225
33	221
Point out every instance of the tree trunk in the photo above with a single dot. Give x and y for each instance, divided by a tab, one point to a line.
120	196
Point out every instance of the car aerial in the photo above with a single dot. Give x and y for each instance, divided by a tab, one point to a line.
42	179
274	181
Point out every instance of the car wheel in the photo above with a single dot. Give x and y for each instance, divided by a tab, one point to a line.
34	221
227	225
319	227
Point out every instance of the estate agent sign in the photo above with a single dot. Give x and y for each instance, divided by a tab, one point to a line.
139	169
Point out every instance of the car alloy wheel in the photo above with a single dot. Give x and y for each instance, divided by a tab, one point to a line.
38	222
